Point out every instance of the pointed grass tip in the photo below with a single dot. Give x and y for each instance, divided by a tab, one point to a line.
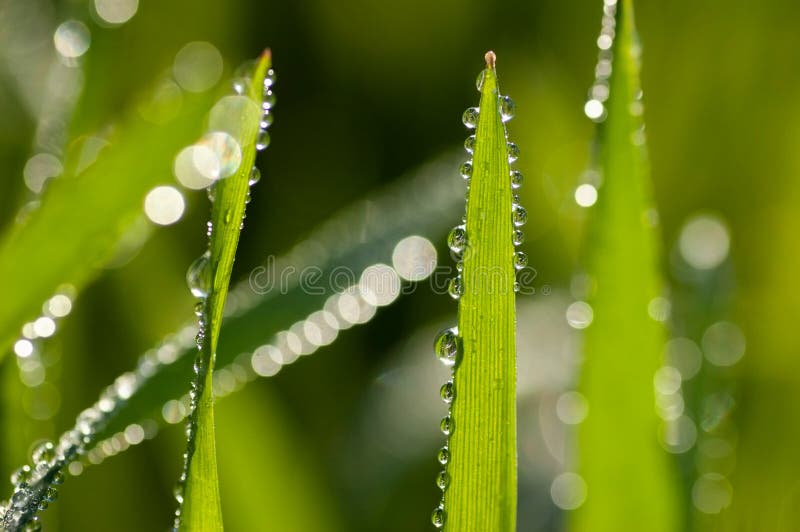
491	58
267	53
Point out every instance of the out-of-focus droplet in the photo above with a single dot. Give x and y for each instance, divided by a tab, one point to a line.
197	66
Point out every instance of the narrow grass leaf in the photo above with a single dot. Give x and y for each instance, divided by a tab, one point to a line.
627	474
480	481
199	486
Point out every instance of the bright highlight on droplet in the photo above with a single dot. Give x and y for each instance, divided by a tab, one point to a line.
594	109
196	167
116	11
225	149
59	305
579	315
379	285
72	39
585	195
44	327
197	66
414	258
164	205
23	348
568	491
704	242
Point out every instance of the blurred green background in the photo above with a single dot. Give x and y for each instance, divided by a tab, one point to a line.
367	92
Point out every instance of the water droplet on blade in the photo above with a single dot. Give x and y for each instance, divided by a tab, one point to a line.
507	108
470	117
446	346
198	277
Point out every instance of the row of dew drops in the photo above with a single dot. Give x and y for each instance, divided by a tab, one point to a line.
447	342
199	276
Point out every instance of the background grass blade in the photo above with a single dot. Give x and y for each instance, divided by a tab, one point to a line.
114	203
200	503
482	492
630	483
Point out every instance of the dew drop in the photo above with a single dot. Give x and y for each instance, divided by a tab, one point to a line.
33	525
199	308
266	120
51	494
58	478
519	215
513	152
470	117
448	392
516	179
255	176
442	480
446	425
446	346
469	144
19	498
262	140
517	286
479	81
520	260
269	100
43	452
437	517
456	287
23	474
443	455
198	277
466	170
507	108
457	239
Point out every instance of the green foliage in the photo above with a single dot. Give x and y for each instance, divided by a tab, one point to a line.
85	213
200	509
482	494
629	477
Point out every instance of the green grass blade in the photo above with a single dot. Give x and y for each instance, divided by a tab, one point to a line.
630	483
200	503
482	492
88	213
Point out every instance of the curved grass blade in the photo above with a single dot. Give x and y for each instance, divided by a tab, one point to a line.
628	475
362	234
92	209
480	483
198	489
